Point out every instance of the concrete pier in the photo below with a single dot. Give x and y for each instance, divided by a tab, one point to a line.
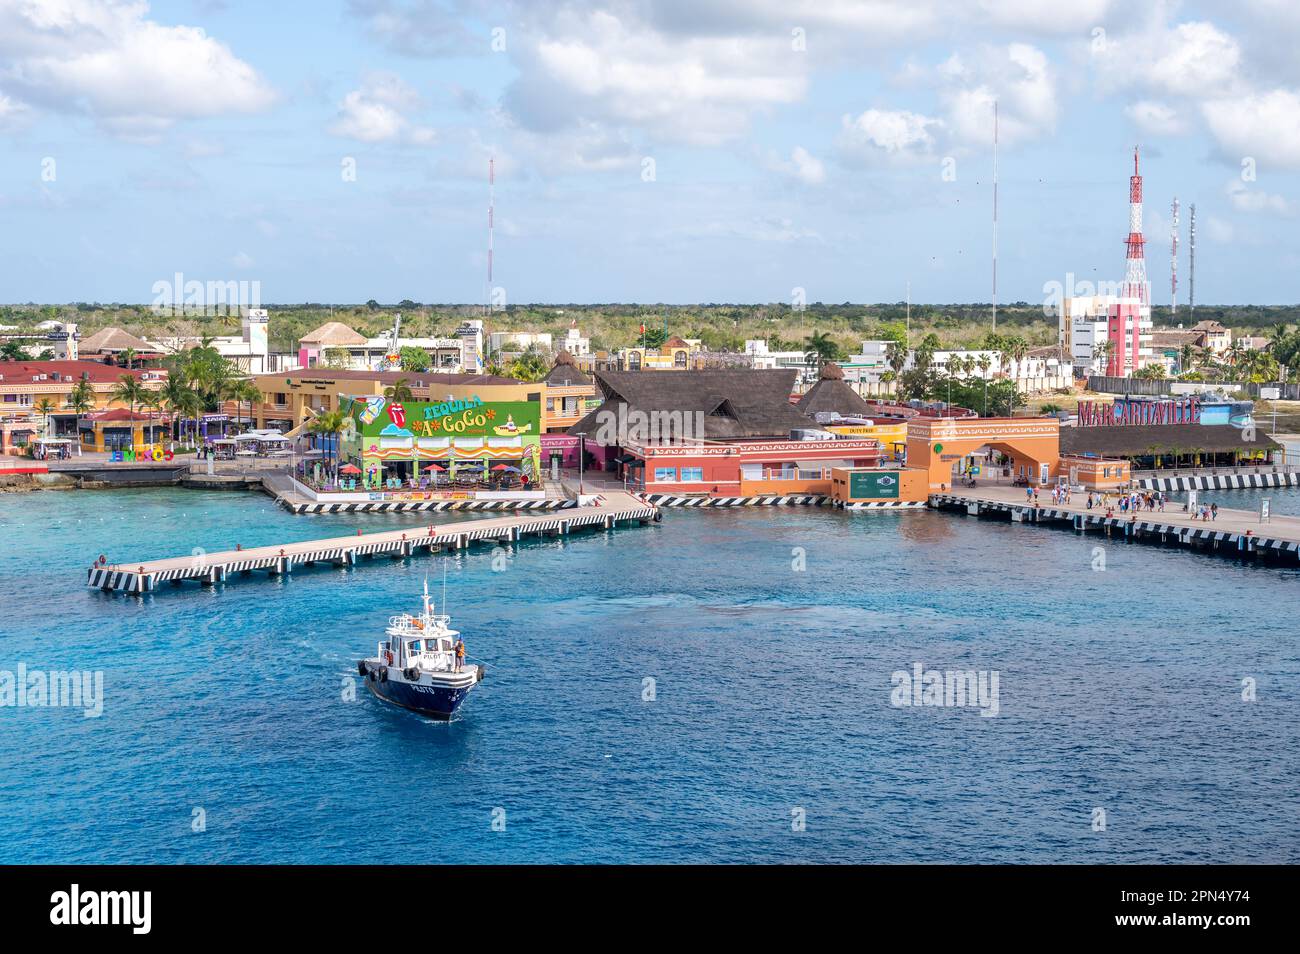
603	510
1234	533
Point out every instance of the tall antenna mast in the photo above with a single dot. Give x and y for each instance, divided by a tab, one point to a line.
1135	277
1191	266
487	299
1173	262
995	215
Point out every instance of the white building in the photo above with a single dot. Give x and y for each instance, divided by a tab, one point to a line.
1105	334
519	341
1040	369
766	359
574	343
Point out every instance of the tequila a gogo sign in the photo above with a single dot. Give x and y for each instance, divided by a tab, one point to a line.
470	417
1094	414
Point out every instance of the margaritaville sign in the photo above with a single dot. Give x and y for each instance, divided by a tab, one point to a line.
1094	414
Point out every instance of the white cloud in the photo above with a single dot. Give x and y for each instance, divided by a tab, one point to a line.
1262	125
802	166
375	112
242	260
1047	18
597	66
1018	77
1245	199
134	75
1155	118
1194	59
888	133
12	113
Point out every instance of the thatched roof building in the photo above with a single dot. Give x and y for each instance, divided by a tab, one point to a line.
1147	440
732	403
832	395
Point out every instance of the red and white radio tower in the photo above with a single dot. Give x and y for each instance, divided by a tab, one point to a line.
1135	278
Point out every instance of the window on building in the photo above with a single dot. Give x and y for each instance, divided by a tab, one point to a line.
665	473
550	405
281	399
695	474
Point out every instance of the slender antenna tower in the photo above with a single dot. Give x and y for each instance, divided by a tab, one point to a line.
1191	265
1173	262
487	299
995	215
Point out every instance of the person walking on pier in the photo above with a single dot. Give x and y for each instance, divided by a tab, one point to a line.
1214	511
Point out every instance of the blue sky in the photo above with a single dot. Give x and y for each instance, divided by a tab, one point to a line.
795	144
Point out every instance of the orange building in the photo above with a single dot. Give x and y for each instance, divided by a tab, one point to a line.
570	394
942	446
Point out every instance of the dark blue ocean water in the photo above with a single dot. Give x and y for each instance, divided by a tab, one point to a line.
1120	689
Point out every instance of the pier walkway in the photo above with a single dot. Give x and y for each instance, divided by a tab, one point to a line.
600	510
1234	533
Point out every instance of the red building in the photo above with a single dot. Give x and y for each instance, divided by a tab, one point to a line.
717	433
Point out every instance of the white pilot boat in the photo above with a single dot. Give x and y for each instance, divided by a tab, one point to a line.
414	666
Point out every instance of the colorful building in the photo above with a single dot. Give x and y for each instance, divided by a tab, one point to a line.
946	447
718	433
293	398
404	440
570	394
24	385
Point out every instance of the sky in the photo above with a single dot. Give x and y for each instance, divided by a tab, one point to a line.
678	151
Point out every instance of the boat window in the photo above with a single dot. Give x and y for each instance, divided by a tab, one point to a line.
415	646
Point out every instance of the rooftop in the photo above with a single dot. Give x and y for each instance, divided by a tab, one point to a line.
422	379
114	340
24	372
734	403
333	334
1142	439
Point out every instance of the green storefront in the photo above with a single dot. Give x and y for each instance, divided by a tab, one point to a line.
438	442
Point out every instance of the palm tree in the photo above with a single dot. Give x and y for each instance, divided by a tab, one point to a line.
332	424
81	399
399	391
245	390
529	366
128	355
820	350
1186	355
45	407
128	390
896	357
12	351
178	397
131	392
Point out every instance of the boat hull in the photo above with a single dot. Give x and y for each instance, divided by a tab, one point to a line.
432	698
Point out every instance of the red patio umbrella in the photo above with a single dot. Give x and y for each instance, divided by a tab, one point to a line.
437	467
502	467
349	469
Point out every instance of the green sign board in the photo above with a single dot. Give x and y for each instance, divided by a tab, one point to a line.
876	483
467	417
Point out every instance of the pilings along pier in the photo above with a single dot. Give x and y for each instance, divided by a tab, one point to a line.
598	511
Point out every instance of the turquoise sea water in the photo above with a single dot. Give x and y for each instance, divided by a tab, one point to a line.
1120	689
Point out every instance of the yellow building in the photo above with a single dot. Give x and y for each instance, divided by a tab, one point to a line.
570	394
26	385
675	354
291	398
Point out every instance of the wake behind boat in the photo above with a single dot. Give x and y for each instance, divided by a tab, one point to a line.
420	665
